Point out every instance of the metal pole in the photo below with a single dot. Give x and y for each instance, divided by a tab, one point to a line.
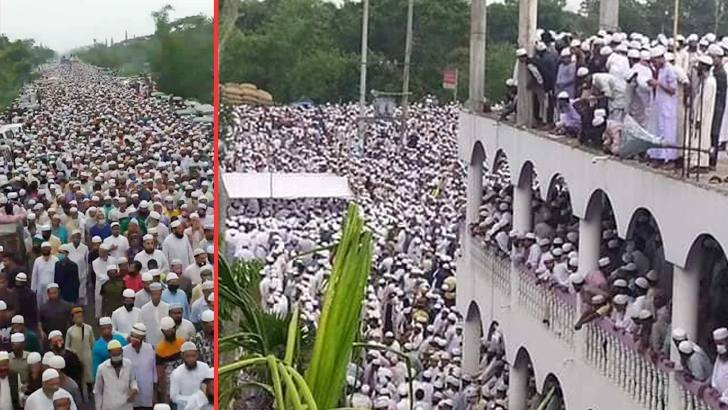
675	18
364	49
406	74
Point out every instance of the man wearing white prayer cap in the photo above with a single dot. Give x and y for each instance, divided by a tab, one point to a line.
43	398
695	363
173	294
185	380
123	318
143	360
78	253
100	349
151	252
152	313
44	271
143	296
719	378
177	245
9	384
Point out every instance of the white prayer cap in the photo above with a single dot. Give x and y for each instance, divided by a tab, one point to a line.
620	283
198	251
566	52
105	246
600	112
575	43
679	334
128	293
576	279
3	305
96	239
105	321
139	328
52	286
563	95
597	121
669	57
51	374
208	284
644	314
21	277
45	227
155	286
715	50
60	394
114	344
705	59
585	46
620	299
172	276
54	333
162	406
208	316
187	346
175	224
147	237
642	283
597	299
176	262
685	347
651	275
17	338
155	272
34	358
605	51
720	333
540	46
656	52
710	37
147	277
573	262
166	323
604	262
45	245
112	267
18	319
211	298
57	362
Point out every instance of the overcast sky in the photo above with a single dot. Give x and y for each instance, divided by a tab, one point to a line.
65	24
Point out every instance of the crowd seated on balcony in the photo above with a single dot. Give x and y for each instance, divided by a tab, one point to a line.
630	290
613	85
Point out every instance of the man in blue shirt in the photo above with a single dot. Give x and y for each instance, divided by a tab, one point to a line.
173	294
100	352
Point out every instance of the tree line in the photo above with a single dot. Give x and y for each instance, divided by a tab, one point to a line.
311	48
179	55
19	60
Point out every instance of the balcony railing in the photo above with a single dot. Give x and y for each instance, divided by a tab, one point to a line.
613	353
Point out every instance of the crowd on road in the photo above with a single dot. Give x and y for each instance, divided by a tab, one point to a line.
106	235
612	86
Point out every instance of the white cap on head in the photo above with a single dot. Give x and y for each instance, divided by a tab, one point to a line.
651	275
61	394
172	276
166	323
644	314
57	362
563	95
620	299
642	283
50	374
147	277
105	321
17	319
54	333
139	328
597	121
705	59
582	72
187	346
604	262
715	50
128	293
34	357
208	316
521	52
685	347
566	52
17	338
679	334
720	334
147	237
162	406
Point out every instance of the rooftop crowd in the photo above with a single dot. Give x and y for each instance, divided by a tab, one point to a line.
608	87
106	234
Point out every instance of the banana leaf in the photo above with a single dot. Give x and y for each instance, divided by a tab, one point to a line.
338	325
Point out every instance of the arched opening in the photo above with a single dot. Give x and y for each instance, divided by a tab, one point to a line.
552	396
707	258
475	183
600	211
472	336
522	390
495	214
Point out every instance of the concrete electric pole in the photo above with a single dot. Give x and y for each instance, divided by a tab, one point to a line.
406	74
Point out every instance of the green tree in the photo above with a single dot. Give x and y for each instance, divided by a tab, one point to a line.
19	60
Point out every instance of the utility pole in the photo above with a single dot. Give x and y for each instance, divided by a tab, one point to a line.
406	74
363	71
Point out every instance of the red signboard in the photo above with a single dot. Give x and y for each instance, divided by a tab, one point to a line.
450	79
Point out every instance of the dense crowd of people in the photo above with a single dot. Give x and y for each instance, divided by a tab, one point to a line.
412	197
106	234
614	86
631	289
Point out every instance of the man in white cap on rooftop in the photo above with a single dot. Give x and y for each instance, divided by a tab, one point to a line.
704	89
124	317
116	386
185	380
665	106
177	245
143	361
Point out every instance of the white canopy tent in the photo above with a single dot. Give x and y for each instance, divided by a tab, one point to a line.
293	185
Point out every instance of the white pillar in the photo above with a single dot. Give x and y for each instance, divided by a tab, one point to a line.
475	188
518	387
590	236
471	344
685	299
609	14
477	55
527	20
